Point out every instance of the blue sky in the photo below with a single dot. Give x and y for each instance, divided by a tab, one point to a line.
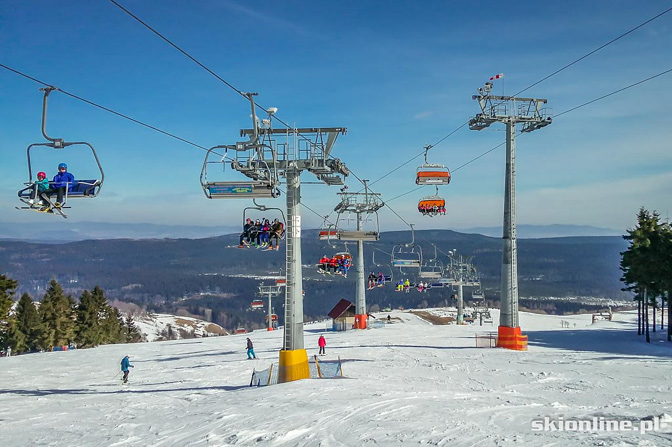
398	75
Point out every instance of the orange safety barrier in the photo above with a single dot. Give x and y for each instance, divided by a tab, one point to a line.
511	338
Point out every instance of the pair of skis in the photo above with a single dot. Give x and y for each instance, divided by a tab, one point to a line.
48	208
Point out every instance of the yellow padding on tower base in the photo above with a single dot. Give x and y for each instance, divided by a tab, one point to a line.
293	365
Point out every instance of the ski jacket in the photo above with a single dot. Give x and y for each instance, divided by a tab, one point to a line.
42	185
63	179
321	342
277	228
249	344
125	364
324	260
246	228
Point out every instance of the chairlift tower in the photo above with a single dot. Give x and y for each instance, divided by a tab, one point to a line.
463	271
266	158
360	204
510	111
270	291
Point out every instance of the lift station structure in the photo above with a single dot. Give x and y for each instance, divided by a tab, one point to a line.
530	113
265	159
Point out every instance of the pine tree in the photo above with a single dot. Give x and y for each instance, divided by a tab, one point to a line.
645	264
90	312
58	317
113	325
132	333
7	288
28	325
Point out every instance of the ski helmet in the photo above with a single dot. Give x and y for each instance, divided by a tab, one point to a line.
41	174
62	165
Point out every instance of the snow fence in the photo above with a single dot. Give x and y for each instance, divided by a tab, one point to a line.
319	369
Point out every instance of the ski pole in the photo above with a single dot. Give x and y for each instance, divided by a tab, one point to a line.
116	375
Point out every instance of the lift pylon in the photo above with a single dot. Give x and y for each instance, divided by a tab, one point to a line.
531	114
268	156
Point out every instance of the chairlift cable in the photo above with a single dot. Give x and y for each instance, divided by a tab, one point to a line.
539	82
519	133
107	109
614	92
203	66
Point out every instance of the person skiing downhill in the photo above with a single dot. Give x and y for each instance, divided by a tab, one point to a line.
125	365
321	342
250	350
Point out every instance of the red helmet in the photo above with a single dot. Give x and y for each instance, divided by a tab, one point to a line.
41	174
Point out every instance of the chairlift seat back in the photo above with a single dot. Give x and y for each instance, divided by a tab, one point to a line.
240	190
358	235
433	177
413	263
431	202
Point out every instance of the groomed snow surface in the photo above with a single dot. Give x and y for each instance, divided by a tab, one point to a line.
410	382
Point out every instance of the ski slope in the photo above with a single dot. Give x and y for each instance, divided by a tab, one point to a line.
410	382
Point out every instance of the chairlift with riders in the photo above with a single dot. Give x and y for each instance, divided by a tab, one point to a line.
251	236
79	188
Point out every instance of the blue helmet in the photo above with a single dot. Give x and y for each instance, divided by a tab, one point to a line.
62	165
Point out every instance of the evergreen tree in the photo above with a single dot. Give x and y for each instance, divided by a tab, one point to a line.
113	325
646	264
7	288
28	325
132	333
57	312
90	312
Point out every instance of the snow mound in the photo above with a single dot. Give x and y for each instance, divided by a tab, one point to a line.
158	327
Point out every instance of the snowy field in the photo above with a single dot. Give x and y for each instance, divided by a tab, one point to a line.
407	383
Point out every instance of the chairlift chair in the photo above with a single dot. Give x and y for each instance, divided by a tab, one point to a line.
261	186
428	204
257	304
432	174
407	256
249	160
80	188
264	208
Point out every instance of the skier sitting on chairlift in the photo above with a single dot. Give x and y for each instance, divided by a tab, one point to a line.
323	264
245	235
372	280
381	279
276	233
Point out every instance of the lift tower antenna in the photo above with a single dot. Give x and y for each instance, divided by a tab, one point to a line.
510	111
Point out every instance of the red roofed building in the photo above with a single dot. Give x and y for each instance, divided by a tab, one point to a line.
343	315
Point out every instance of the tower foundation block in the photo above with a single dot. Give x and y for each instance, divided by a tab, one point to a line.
293	365
511	338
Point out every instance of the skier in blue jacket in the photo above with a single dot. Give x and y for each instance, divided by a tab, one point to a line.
61	181
125	365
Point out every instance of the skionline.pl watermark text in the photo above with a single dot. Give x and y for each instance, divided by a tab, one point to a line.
601	424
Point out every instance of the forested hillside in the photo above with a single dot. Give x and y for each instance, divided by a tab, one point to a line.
204	276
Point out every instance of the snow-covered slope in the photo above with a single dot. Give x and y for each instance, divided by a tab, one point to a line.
156	327
409	382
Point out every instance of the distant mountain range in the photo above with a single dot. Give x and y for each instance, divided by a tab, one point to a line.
544	231
62	231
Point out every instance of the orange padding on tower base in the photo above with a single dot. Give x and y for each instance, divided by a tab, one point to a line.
360	321
511	338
